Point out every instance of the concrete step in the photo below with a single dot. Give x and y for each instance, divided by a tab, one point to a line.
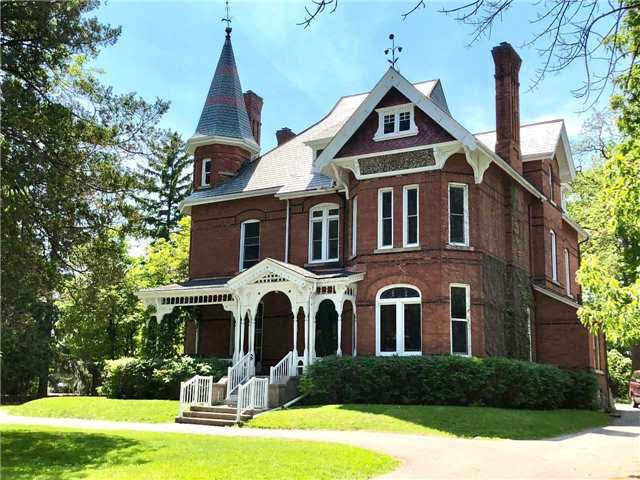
216	416
214	409
206	421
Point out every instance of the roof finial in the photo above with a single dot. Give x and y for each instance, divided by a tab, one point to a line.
393	49
227	18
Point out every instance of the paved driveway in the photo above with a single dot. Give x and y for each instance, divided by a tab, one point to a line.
603	453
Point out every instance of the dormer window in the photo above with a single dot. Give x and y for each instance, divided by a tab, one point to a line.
395	122
205	179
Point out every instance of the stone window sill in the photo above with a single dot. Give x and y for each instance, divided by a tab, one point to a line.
396	250
459	247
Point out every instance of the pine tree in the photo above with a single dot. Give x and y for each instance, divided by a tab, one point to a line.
164	183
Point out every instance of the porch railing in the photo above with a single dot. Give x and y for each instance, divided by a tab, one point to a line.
196	391
241	371
253	395
284	368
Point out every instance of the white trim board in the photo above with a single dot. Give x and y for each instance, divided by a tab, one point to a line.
556	296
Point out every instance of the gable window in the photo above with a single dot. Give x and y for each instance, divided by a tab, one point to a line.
249	244
205	176
398	321
385	218
554	260
460	309
567	272
323	233
395	122
458	214
410	216
354	226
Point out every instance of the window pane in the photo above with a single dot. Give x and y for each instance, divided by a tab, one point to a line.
386	232
333	212
458	302
459	337
456	225
316	253
333	239
404	121
317	231
333	229
400	292
317	214
412	201
251	252
387	328
389	123
316	246
456	200
251	229
412	340
412	230
386	204
207	166
333	249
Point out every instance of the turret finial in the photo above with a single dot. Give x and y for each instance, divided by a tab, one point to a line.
227	18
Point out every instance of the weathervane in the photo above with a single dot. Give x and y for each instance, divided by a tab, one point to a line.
227	18
393	49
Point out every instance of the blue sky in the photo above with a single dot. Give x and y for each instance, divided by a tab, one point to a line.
170	50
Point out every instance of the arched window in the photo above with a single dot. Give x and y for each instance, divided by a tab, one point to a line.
249	244
398	321
323	233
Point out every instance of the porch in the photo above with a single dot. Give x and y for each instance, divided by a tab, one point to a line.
272	320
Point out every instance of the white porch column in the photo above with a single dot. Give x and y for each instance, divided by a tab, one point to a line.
296	309
355	330
312	332
237	353
339	310
252	331
306	308
197	342
242	322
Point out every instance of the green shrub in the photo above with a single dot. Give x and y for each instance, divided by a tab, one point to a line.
448	380
156	378
619	373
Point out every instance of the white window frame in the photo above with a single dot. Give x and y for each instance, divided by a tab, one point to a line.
381	191
203	173
399	303
354	226
551	193
396	110
405	216
324	207
465	188
242	228
467	320
554	255
567	272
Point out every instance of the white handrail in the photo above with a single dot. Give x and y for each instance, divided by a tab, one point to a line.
241	371
253	395
196	391
284	368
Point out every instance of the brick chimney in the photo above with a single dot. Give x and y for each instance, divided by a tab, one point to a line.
284	135
253	102
507	63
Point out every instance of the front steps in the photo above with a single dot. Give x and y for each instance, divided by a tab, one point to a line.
218	415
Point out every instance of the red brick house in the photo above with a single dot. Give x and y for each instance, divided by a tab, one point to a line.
386	228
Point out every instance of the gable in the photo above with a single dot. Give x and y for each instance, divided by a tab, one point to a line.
361	142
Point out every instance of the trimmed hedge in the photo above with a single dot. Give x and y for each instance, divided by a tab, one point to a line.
155	378
448	380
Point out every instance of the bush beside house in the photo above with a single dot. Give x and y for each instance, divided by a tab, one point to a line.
619	374
448	380
156	378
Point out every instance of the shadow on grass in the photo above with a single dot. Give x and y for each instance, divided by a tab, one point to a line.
52	455
470	422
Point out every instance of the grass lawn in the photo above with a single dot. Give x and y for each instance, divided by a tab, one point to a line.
30	452
435	420
99	408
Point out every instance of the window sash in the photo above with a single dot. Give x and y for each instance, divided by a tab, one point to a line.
458	214
385	218
324	234
249	245
410	227
398	332
460	325
205	177
567	272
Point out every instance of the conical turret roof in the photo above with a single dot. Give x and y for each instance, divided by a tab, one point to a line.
224	113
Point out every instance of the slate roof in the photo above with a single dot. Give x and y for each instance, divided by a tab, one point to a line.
536	139
224	113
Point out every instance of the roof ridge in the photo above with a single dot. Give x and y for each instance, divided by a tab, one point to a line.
526	125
